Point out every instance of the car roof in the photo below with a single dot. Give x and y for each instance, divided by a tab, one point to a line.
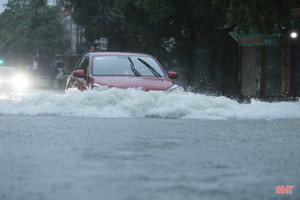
110	53
7	68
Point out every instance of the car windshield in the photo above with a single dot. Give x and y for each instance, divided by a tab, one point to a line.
7	71
125	66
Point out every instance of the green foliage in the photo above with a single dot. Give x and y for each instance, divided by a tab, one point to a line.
100	18
27	25
179	19
146	34
260	15
145	20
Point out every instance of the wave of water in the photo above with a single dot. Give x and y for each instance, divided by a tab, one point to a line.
118	103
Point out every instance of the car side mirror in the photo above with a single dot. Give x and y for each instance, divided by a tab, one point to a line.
78	73
173	75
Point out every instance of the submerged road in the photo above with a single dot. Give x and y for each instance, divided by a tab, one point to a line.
60	158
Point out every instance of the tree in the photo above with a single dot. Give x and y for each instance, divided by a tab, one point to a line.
146	35
100	18
260	15
28	28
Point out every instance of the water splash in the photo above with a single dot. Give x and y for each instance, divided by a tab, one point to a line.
119	103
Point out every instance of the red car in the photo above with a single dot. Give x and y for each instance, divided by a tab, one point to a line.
120	70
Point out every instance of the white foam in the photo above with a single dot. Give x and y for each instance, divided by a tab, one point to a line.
118	103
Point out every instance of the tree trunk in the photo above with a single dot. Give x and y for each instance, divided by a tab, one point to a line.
191	57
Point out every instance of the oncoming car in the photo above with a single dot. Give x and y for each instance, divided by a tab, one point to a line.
10	79
120	70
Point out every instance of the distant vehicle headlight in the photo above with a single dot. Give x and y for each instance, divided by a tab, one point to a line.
20	82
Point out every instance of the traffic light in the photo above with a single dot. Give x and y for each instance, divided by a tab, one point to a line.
1	61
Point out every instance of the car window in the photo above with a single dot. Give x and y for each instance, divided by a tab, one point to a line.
79	64
84	64
121	66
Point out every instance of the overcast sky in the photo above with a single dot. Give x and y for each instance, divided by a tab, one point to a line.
2	2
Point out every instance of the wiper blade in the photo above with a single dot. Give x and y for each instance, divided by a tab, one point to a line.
132	68
150	68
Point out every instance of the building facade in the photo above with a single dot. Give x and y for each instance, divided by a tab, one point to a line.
73	33
270	64
2	5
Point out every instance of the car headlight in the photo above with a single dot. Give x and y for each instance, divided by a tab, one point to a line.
174	87
98	86
20	82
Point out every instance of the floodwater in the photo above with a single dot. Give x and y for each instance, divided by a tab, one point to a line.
130	144
118	103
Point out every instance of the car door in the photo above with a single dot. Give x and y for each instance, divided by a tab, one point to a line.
80	81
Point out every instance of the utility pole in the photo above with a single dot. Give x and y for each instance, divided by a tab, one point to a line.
36	39
71	28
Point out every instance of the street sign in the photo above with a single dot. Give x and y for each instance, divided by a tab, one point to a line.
102	44
296	12
258	39
35	65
